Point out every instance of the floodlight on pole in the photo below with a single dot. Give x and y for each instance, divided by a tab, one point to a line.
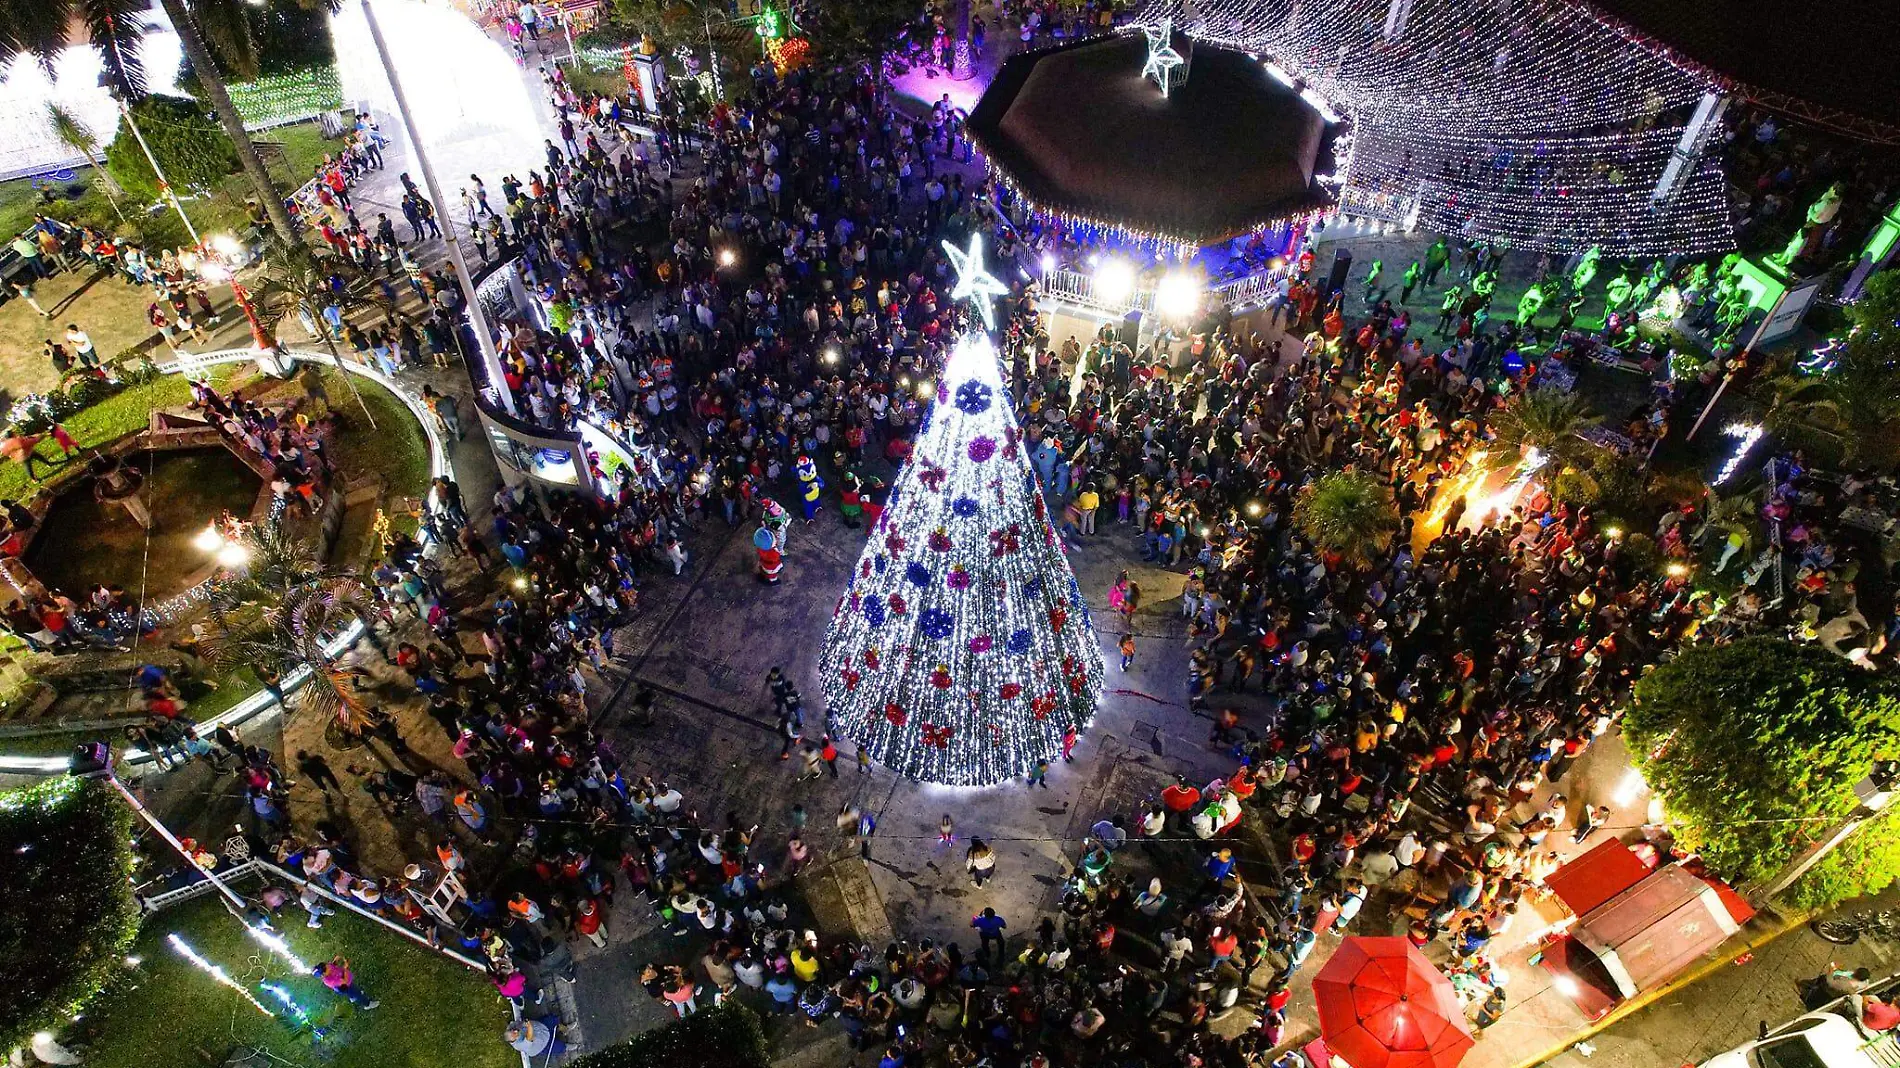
1114	281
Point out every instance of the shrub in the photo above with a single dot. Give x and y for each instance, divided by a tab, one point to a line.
66	862
1756	748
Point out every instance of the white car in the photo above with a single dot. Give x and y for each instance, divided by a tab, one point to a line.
1829	1037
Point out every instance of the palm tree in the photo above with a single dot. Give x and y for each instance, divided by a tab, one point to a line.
75	135
40	28
295	284
281	612
1543	419
1850	415
1349	513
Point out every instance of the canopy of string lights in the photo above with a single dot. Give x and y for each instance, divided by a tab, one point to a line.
1541	123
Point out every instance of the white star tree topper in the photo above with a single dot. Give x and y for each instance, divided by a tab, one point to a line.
1162	58
974	283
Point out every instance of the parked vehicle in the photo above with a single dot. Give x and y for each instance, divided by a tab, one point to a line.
1832	1036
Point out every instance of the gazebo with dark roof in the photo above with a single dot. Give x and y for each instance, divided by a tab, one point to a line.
1077	131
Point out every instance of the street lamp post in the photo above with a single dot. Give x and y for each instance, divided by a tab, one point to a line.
212	267
478	320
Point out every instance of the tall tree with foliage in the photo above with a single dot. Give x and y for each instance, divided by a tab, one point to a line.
41	28
1543	419
297	284
223	22
66	863
282	612
1755	748
76	135
1348	513
1849	414
191	149
851	29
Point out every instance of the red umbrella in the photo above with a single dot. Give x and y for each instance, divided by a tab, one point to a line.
1383	1005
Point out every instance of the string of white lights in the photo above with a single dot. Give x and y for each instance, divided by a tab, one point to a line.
1540	123
1523	67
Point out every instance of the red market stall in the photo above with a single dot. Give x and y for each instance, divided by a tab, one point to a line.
1637	924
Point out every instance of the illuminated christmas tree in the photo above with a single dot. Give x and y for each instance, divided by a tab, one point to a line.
961	651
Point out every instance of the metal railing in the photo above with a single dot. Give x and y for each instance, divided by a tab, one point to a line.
1075	287
1242	294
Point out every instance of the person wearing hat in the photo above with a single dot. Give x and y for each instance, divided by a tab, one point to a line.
589	921
534	1038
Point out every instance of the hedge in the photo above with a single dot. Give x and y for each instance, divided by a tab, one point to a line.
70	916
726	1036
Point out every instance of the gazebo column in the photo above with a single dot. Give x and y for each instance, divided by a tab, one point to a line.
1688	151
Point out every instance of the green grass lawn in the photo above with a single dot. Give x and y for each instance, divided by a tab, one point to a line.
223	209
395	449
435	1013
118	415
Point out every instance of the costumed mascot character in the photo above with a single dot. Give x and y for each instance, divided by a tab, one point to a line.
810	485
769	540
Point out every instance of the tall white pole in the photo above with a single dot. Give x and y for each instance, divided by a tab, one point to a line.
165	832
164	186
478	320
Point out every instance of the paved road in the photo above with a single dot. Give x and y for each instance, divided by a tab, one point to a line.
1726	1008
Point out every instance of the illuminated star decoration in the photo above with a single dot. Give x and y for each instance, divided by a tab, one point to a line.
1162	58
973	281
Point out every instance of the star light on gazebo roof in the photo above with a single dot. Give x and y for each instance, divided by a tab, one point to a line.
1162	58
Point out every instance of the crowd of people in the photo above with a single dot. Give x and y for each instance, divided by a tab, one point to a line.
1410	717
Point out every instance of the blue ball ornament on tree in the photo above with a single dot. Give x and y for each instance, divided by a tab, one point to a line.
963	507
873	610
974	398
1019	641
917	574
935	624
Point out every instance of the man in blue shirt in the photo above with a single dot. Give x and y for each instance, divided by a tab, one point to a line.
1220	865
991	927
784	993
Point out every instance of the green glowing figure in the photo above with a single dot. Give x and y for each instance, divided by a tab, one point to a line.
1586	268
1529	304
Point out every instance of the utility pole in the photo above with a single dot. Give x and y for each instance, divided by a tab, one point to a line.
478	319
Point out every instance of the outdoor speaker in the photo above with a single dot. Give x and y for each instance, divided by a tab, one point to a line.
1336	281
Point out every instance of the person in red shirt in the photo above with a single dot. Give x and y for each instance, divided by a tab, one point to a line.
1877	1015
1221	944
588	921
1180	798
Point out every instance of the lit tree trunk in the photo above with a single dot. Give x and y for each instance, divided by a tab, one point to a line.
962	67
337	357
194	45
